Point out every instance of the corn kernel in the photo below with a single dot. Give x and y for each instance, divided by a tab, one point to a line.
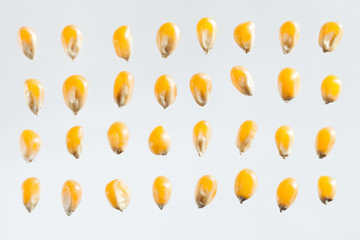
75	90
34	95
167	39
118	137
205	191
206	31
326	189
288	84
71	39
27	40
123	88
30	143
325	140
74	141
71	196
284	138
289	35
200	86
122	41
159	141
244	35
118	194
330	36
201	136
286	193
245	184
165	91
242	80
331	89
246	135
30	189
161	191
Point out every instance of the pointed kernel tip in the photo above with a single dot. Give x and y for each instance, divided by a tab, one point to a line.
241	199
201	154
282	209
76	155
322	155
200	205
161	206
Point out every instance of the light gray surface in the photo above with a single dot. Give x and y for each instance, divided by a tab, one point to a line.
225	218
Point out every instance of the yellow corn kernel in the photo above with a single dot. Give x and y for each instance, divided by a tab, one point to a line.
206	31
200	86
71	39
246	135
242	80
167	39
30	143
34	95
122	41
325	140
123	88
245	184
161	191
331	89
74	141
165	91
30	189
288	84
159	141
244	35
118	194
118	137
71	196
201	136
330	36
27	40
75	89
284	138
326	189
205	191
286	193
289	35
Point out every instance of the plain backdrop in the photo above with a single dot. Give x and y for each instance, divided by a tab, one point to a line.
224	218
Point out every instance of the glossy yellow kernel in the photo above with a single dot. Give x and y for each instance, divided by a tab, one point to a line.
288	84
74	141
123	88
286	193
244	35
27	41
165	91
71	196
206	31
205	191
122	41
118	137
162	191
75	89
201	136
71	39
31	193
34	95
330	89
289	35
284	138
167	39
200	86
30	143
242	80
330	36
118	195
326	189
246	135
325	140
245	184
159	141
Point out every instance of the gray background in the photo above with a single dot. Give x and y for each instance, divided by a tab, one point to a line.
257	218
